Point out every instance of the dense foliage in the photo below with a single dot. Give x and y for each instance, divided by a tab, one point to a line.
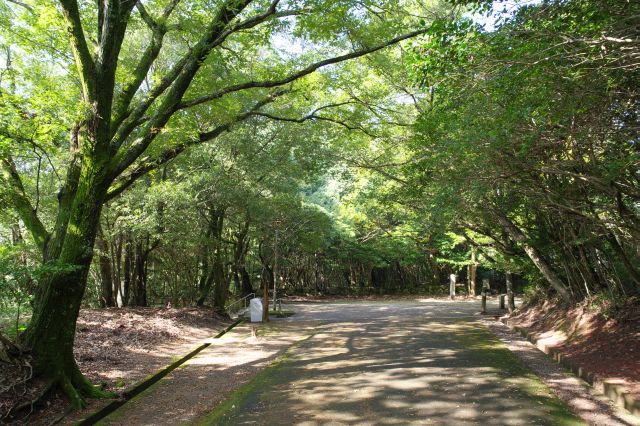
532	141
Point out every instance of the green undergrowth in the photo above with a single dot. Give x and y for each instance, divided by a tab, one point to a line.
13	320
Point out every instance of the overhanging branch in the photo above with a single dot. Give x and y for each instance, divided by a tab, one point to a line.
314	116
169	154
298	74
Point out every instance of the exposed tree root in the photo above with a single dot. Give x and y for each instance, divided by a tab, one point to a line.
77	387
19	392
10	352
32	402
16	374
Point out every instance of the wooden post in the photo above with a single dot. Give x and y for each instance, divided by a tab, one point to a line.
485	290
501	298
510	297
452	286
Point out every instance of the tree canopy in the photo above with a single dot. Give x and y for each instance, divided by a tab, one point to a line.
193	152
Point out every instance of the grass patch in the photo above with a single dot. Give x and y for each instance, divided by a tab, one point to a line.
274	314
485	348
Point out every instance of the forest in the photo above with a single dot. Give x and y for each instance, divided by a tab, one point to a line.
186	153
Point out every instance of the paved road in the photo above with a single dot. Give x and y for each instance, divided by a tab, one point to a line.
395	363
422	309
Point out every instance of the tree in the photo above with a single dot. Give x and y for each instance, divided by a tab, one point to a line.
138	111
526	141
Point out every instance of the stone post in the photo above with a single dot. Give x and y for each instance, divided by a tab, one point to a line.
485	291
452	286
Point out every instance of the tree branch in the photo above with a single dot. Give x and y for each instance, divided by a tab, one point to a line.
148	165
148	19
378	169
83	58
149	56
19	200
129	120
298	74
186	71
21	4
314	116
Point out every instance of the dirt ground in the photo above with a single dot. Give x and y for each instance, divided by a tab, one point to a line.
206	380
608	348
117	347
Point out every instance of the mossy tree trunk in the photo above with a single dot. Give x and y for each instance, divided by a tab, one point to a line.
68	254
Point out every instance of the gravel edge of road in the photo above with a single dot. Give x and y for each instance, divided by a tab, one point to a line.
594	408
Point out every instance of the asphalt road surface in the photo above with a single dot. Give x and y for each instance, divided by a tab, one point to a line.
395	363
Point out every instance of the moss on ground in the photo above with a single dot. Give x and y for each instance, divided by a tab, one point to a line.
224	412
483	346
282	314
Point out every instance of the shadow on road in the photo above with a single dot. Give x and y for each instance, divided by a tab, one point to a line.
397	369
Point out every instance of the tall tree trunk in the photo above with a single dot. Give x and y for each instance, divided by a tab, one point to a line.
116	262
267	283
536	257
213	276
106	276
316	274
51	331
140	273
473	268
221	285
128	270
240	274
204	283
511	304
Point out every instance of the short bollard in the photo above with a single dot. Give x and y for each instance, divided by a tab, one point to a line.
502	296
452	286
485	290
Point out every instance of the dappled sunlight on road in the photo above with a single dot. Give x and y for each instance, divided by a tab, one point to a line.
583	401
401	372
